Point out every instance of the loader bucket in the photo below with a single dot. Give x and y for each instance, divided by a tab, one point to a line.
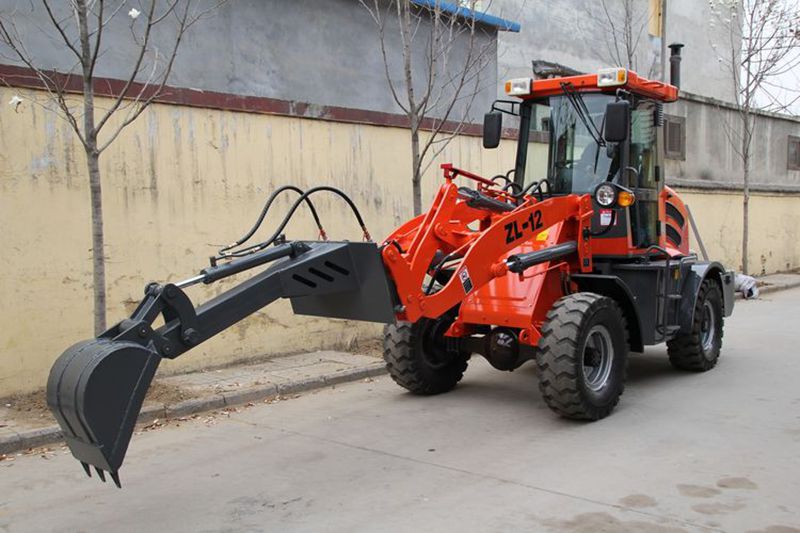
95	390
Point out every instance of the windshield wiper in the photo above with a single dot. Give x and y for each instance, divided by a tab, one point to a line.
583	113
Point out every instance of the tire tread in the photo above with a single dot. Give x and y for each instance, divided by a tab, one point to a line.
557	352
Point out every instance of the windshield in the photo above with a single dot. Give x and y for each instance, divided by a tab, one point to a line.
576	162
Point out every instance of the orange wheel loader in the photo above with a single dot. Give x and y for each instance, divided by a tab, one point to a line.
572	270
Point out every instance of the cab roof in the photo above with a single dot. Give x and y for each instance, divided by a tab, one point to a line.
626	79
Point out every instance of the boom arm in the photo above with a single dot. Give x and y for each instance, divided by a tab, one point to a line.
96	388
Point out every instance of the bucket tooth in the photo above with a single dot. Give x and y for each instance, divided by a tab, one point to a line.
100	474
86	469
115	478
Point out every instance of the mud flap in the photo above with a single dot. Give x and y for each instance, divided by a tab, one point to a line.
95	390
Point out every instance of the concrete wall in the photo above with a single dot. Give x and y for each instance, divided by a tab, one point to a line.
774	223
323	52
575	33
179	183
713	128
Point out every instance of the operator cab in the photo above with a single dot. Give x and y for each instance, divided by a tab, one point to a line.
599	128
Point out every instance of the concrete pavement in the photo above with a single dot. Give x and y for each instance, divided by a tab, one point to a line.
683	452
185	394
241	384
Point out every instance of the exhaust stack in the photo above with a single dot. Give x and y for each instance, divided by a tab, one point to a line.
675	64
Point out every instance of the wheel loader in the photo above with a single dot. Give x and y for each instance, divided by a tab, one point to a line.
571	270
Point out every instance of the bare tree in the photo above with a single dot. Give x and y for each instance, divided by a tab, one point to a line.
80	26
764	46
436	91
623	23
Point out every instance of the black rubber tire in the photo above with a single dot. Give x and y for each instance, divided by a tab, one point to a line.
686	351
562	350
408	355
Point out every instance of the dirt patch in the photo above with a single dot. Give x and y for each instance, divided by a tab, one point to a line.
736	483
168	394
26	409
717	508
372	346
697	491
597	522
30	410
638	501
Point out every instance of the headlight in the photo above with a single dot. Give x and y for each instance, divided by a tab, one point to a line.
518	87
605	195
611	77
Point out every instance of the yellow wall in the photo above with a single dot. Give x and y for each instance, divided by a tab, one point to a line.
179	183
182	181
774	243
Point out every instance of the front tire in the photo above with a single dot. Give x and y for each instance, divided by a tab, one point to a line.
698	350
420	358
582	356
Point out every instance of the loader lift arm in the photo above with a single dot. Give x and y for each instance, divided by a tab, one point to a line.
483	253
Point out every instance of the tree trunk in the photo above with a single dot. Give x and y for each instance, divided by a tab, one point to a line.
745	213
98	252
93	165
747	134
416	179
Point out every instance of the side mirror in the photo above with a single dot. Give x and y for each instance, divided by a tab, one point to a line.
492	129
618	121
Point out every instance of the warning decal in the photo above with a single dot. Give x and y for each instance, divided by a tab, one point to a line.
465	281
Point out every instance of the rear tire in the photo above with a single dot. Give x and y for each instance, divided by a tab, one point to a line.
582	356
698	350
420	358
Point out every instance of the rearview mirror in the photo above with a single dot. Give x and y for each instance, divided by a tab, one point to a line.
618	121
492	129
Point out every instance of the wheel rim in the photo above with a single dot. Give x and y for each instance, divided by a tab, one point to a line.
598	356
708	327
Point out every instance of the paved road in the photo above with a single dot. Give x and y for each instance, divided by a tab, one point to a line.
683	452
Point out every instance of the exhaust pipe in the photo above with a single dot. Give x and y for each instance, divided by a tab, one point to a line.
675	64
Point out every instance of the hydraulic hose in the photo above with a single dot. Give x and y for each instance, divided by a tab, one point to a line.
264	212
303	197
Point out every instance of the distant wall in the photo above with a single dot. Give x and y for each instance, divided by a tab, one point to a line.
313	51
576	33
712	132
774	228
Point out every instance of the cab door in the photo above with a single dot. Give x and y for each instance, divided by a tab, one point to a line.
644	176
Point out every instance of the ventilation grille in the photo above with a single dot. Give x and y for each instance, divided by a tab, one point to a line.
317	275
675	215
674	236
